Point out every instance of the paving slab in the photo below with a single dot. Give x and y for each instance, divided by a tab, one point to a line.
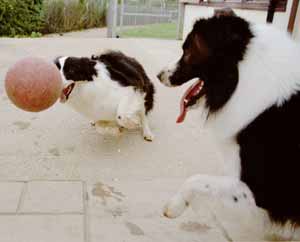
146	230
88	33
50	228
10	193
134	211
129	179
52	197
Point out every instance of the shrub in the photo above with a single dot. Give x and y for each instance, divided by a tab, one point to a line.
20	17
95	14
68	15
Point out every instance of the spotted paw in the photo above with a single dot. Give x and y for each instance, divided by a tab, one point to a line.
175	207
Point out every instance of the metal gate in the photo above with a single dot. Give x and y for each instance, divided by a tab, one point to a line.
142	12
134	15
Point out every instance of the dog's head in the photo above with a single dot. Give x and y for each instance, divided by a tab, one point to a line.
211	53
74	69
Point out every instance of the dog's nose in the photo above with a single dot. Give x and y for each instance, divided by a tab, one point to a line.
159	75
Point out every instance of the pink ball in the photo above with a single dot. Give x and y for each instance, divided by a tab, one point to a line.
33	84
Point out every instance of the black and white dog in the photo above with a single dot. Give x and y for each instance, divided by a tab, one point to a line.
112	90
249	83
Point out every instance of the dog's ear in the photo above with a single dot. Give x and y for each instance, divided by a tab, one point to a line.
201	46
224	12
88	63
196	49
57	63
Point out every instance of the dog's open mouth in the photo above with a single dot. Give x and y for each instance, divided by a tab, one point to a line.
190	97
66	92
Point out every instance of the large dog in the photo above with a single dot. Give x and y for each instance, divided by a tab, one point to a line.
248	78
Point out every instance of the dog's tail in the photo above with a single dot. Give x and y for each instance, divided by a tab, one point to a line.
149	98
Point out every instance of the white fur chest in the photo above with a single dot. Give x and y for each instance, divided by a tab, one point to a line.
98	100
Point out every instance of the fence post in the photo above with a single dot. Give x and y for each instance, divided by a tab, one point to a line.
121	16
180	20
112	18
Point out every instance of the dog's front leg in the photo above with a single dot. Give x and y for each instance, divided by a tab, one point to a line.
131	115
223	188
128	112
229	201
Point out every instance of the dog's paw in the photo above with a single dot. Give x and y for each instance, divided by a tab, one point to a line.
175	207
149	137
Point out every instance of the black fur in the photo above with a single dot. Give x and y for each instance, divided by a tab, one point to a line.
270	159
78	69
127	71
269	145
56	62
212	52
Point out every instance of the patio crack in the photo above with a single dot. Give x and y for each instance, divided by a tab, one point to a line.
22	197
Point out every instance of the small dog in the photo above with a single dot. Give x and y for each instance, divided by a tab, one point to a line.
249	83
111	89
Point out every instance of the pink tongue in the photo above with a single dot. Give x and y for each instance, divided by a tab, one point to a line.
67	90
183	111
190	92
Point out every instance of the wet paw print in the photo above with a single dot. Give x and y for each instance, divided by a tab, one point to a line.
54	152
21	125
105	192
194	227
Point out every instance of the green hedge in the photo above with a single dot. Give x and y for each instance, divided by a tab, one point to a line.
31	17
20	17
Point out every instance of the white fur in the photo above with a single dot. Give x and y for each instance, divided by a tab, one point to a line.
108	104
268	75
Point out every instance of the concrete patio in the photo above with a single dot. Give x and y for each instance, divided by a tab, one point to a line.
62	182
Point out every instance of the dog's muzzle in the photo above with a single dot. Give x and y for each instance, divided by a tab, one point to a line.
164	78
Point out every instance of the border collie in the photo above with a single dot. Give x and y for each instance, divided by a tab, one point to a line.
111	89
248	80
